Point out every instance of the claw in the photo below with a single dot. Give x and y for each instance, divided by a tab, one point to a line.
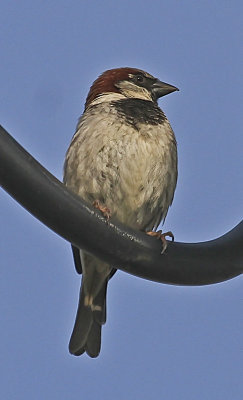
162	237
101	207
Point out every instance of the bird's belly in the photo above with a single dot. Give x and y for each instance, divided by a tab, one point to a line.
139	196
137	188
133	173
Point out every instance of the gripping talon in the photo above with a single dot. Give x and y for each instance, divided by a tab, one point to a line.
162	237
102	208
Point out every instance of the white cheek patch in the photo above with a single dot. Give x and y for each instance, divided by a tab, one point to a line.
129	89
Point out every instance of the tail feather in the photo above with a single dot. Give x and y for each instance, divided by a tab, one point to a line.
82	326
93	344
86	335
100	301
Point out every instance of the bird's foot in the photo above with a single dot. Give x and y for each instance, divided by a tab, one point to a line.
162	237
101	207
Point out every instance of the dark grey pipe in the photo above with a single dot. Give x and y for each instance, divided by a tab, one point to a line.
66	214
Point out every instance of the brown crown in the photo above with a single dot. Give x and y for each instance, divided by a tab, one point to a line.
105	82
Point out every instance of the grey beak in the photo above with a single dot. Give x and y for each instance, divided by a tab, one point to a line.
160	89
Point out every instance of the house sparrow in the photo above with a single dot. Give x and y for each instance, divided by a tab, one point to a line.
123	160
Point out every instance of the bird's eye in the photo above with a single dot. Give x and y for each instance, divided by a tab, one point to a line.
140	78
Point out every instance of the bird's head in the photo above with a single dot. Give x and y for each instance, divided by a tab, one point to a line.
129	82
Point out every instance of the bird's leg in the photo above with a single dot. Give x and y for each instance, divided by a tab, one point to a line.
101	207
162	237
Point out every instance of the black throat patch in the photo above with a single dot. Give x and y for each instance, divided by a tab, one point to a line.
138	111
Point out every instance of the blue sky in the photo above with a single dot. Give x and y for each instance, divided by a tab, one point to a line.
160	341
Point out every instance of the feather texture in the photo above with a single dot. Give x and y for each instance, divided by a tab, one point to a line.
124	155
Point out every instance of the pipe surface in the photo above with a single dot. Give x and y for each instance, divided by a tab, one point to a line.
45	197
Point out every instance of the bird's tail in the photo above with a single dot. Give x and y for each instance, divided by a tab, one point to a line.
91	313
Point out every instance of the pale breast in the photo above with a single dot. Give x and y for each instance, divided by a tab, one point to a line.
131	169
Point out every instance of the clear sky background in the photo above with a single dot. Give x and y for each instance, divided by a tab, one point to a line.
160	341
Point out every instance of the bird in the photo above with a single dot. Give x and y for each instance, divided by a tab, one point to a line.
122	160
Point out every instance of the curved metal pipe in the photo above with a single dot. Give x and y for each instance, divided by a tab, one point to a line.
134	252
